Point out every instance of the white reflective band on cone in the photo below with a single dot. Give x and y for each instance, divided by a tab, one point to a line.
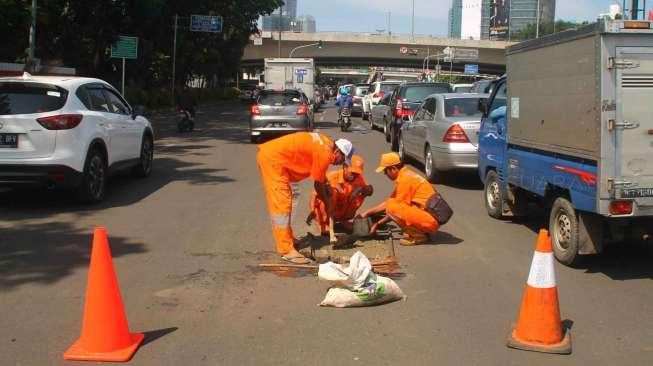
542	274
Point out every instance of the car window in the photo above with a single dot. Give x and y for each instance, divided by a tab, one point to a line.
499	98
419	114
416	93
27	98
98	100
279	98
116	103
462	107
429	109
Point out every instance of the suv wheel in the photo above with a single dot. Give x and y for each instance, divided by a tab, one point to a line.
394	139
94	178
402	151
144	166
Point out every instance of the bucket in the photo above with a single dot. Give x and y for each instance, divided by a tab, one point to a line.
362	227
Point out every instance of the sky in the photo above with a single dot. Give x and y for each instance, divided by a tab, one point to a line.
431	16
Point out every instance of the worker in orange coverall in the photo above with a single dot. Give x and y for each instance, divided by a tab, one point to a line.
407	203
290	159
349	190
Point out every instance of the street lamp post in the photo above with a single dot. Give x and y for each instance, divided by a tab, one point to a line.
412	24
537	20
318	44
32	37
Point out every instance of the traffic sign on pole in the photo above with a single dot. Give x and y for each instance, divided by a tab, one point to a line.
206	23
125	47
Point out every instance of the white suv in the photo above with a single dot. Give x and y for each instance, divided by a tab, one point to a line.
69	132
377	90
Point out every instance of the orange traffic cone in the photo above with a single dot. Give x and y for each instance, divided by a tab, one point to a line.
539	327
105	333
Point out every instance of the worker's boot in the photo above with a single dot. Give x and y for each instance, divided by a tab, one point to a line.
413	237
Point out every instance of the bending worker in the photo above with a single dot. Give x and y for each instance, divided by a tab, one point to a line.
407	203
290	159
349	189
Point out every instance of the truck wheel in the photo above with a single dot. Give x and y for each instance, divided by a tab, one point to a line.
493	195
563	228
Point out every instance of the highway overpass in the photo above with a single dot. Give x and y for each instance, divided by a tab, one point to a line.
363	50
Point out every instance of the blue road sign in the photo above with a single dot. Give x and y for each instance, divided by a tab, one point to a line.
471	69
206	23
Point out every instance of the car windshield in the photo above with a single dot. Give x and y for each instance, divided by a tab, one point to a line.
417	93
28	98
462	89
387	88
280	98
462	107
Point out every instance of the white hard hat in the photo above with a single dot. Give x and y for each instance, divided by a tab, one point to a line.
347	148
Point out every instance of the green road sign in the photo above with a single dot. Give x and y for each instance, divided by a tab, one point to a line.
125	47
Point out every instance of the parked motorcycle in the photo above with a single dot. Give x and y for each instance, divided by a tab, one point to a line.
344	120
186	121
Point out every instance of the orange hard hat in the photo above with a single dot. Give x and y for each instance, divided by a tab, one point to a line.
357	164
387	160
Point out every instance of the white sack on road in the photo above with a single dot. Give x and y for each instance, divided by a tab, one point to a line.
357	285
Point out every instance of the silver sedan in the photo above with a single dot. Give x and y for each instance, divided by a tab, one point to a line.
443	133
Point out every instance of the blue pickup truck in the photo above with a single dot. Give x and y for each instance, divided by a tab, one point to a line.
571	127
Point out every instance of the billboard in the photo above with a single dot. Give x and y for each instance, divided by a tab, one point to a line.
499	20
470	27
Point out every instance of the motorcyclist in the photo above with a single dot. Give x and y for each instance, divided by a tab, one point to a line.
344	100
186	101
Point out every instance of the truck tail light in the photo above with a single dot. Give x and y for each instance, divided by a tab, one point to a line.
60	122
621	207
302	110
254	111
455	133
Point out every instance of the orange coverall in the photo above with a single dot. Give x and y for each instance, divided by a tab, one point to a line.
344	208
406	203
290	159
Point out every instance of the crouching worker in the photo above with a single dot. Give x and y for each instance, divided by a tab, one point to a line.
348	191
293	158
407	205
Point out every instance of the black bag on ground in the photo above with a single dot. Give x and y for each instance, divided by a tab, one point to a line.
439	208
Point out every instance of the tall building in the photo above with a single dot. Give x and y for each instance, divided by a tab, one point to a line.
455	18
470	27
522	13
288	20
271	23
308	24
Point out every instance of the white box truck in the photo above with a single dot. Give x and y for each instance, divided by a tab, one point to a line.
291	73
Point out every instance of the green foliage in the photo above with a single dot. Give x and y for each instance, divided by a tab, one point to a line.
79	33
530	31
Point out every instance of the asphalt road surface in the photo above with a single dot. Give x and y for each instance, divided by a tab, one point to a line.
186	241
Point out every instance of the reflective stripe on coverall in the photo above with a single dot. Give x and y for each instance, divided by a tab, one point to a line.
406	204
290	159
344	209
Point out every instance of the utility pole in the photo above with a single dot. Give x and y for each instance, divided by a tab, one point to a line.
174	58
412	24
280	21
537	19
32	37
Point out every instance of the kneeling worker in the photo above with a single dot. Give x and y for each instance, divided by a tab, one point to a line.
348	191
407	203
290	159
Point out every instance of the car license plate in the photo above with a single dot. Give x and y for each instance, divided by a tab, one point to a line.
637	193
279	124
8	140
